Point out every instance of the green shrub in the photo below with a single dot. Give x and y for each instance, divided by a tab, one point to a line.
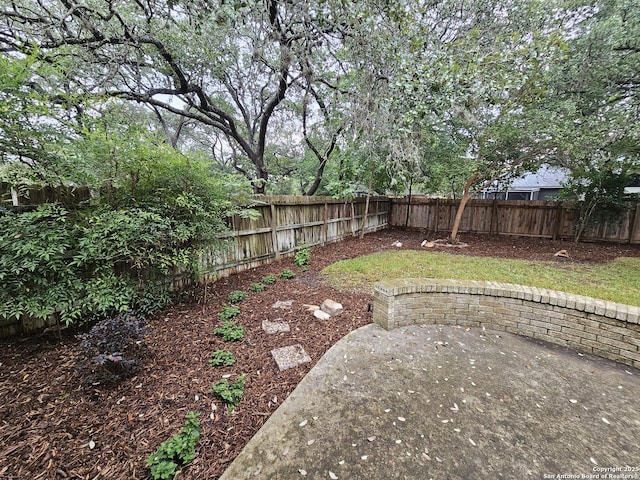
230	393
302	257
176	452
269	279
222	358
237	296
287	274
257	287
158	210
228	312
230	331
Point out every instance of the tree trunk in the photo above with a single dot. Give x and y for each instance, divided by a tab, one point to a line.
366	206
466	196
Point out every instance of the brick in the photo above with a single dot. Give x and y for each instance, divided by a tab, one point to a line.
566	337
530	329
579	333
622	331
545	325
633	355
600	346
616	343
616	357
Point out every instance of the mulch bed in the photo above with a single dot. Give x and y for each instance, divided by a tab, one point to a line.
49	414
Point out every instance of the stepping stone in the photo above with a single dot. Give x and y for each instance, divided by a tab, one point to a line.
331	307
283	304
290	357
275	327
321	315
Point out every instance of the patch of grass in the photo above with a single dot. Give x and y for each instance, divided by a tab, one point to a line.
617	281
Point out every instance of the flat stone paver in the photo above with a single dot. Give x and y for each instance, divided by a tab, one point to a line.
275	327
442	402
290	357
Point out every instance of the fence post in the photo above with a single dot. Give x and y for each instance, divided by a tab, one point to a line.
558	223
436	219
325	226
494	217
353	219
274	231
632	223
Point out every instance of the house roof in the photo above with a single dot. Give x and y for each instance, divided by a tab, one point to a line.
545	177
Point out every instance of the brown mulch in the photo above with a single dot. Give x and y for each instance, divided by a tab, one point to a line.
49	415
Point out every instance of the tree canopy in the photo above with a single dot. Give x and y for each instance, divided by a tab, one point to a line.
328	96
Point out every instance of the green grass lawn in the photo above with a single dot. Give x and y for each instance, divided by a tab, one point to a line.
617	281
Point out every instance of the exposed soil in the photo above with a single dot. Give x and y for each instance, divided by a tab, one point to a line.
49	415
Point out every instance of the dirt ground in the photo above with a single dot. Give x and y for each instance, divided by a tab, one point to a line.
53	425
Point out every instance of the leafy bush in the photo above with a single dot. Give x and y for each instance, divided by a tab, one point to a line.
287	274
230	393
222	358
177	452
302	257
228	312
237	296
257	287
157	211
107	345
269	279
230	331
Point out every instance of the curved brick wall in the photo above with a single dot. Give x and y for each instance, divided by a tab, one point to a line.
607	329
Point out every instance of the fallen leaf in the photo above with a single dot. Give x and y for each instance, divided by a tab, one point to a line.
333	476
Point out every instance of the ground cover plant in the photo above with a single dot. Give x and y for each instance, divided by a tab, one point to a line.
230	392
222	358
176	452
126	422
230	331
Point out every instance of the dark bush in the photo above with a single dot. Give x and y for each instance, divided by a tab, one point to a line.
112	349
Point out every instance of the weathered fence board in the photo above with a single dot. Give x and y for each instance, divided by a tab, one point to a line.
535	218
288	223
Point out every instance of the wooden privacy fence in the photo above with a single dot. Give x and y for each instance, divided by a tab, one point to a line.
284	225
287	223
531	218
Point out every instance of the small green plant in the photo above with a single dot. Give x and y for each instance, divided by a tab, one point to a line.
176	452
287	274
230	331
228	312
222	358
237	296
257	287
302	257
269	279
230	393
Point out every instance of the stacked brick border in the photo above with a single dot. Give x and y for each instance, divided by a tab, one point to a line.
606	329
